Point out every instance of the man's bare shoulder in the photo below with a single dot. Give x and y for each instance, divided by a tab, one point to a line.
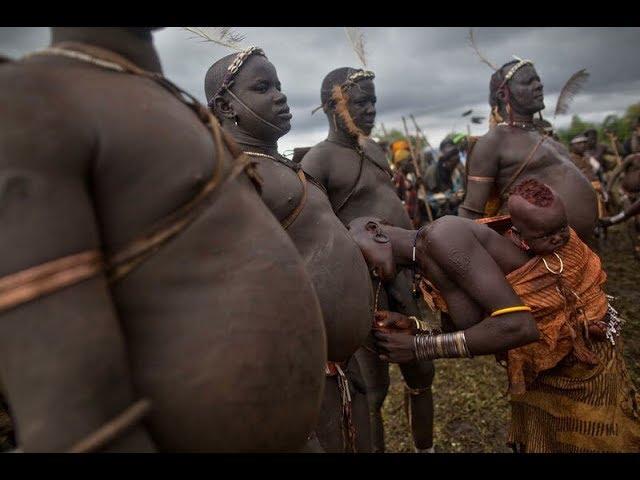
39	117
448	228
376	153
321	151
318	161
484	157
490	139
453	229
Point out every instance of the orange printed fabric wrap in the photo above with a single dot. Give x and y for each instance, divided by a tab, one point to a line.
432	297
562	306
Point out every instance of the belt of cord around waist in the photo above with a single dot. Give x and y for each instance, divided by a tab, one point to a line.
335	369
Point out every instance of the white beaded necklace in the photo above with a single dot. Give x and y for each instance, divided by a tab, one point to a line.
257	154
523	125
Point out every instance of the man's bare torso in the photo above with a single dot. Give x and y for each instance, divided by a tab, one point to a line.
337	167
466	260
333	261
204	316
502	151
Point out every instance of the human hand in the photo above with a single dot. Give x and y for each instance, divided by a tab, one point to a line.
388	322
395	347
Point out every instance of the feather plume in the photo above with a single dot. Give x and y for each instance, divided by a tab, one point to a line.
224	36
342	110
474	46
356	37
570	90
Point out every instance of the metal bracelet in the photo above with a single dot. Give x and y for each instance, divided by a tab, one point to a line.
444	345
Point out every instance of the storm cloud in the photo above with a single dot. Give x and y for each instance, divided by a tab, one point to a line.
430	72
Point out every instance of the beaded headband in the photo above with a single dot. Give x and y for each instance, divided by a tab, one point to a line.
521	63
352	79
234	68
360	75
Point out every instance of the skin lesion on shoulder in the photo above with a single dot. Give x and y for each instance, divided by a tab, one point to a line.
459	261
436	243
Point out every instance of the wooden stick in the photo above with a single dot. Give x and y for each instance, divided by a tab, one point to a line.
384	130
421	188
419	130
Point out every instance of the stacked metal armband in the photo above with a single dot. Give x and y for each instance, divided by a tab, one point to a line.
444	345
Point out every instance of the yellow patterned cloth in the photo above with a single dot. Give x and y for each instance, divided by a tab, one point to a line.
563	306
573	408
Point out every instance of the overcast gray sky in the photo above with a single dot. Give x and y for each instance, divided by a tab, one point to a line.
430	72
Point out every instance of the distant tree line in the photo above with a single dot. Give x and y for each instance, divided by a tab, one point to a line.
619	126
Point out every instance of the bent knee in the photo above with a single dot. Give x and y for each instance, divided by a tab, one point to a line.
418	375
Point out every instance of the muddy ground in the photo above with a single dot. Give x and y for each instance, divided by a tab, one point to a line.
471	409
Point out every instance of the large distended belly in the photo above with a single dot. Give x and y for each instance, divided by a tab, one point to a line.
226	335
380	201
339	274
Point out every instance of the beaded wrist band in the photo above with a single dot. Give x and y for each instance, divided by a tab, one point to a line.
232	70
444	345
618	217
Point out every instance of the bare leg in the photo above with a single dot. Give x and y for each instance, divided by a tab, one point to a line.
360	406
376	377
419	376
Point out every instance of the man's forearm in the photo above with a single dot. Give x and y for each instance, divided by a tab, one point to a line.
633	210
490	336
466	211
478	190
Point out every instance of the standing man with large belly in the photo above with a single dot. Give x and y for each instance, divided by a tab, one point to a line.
356	175
515	150
253	109
148	298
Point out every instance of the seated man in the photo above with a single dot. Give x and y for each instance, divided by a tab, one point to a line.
585	163
533	297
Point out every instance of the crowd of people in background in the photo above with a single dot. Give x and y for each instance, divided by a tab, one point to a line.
439	185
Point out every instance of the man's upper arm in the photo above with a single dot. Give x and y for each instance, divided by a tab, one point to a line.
482	167
316	164
62	352
466	262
